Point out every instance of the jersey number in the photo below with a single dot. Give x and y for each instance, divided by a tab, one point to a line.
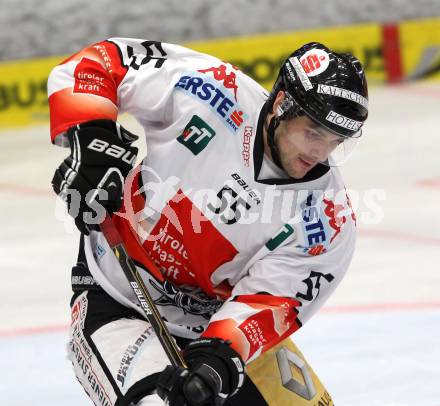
231	205
150	53
313	282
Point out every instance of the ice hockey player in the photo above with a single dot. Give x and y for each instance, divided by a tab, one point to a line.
238	202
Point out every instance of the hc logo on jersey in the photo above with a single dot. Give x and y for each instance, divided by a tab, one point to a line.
196	135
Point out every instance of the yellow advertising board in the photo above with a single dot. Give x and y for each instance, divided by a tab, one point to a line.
420	48
260	56
23	94
23	98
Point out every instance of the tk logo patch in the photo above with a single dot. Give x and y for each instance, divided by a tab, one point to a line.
196	135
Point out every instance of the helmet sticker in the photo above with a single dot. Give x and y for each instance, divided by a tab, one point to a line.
301	73
343	121
286	104
315	61
344	93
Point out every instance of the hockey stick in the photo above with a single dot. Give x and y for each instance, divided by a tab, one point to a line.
144	298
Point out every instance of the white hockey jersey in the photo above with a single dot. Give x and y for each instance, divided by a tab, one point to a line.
242	256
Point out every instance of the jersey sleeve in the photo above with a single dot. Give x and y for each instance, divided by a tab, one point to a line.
280	293
105	79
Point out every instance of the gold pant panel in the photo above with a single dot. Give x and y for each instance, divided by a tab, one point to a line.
284	378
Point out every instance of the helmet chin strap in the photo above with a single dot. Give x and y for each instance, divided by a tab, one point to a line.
270	129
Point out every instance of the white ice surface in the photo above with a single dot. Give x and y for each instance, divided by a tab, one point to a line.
377	341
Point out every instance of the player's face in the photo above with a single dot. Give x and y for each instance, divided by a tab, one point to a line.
302	144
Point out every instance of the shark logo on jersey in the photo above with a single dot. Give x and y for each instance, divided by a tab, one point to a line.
191	300
215	96
196	135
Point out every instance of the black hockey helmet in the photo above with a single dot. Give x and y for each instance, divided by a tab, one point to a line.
330	87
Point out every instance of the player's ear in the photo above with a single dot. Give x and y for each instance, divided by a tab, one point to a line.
277	103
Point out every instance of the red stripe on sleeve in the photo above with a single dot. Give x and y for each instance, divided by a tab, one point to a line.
92	92
274	319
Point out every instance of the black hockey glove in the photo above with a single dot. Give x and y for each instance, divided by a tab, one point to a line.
215	372
92	176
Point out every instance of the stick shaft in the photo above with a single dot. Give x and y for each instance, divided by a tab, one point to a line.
144	298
